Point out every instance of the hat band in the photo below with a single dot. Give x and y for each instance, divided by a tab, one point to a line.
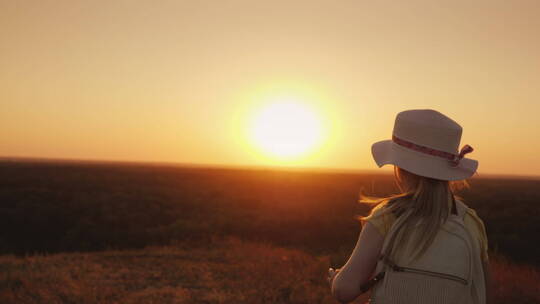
453	158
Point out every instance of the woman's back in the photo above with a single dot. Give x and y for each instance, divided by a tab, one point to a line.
449	271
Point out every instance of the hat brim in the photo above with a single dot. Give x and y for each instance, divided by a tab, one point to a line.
388	152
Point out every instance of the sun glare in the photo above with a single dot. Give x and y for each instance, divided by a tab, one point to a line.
286	129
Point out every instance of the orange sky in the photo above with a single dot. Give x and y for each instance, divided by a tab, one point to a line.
176	81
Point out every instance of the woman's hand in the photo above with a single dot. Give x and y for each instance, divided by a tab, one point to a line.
331	275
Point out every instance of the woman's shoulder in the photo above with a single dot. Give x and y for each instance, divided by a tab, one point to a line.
380	217
380	211
476	224
472	216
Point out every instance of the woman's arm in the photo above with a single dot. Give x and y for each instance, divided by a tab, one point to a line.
360	266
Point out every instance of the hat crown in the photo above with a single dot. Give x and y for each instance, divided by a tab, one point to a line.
428	128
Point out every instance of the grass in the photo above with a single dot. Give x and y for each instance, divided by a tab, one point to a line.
225	270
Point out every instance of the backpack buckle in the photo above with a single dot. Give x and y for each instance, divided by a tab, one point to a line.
391	264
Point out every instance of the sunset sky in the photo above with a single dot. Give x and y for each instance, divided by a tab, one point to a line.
195	81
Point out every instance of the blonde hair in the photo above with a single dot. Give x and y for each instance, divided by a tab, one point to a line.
426	200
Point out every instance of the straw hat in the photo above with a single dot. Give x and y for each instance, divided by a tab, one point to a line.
426	142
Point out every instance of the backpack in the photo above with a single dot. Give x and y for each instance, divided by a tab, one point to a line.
449	272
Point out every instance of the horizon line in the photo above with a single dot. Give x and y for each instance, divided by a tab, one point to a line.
231	166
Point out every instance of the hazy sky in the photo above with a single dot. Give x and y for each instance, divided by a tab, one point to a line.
178	80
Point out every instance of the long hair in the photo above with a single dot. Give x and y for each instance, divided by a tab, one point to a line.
424	201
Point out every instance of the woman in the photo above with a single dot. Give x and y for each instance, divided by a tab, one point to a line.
440	244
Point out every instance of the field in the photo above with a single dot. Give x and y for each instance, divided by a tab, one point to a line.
139	233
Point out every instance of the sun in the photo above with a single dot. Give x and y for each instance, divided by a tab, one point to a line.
286	129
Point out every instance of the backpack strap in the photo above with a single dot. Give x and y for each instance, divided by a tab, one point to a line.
461	208
369	284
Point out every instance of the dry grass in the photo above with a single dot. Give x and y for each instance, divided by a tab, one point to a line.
513	283
229	271
226	271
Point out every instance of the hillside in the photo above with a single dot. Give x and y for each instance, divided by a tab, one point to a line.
225	270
